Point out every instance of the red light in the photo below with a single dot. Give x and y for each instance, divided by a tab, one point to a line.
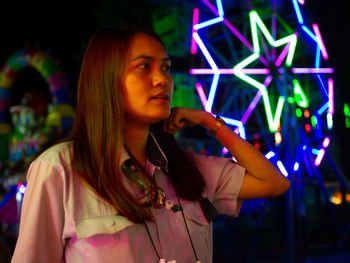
257	145
306	114
308	128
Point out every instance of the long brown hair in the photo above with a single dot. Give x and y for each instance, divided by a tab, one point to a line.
98	133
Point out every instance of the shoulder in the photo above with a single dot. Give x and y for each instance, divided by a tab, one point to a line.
218	170
57	157
56	152
212	161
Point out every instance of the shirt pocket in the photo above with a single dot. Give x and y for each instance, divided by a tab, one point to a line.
110	224
199	229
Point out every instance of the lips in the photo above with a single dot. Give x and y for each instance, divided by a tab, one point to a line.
162	96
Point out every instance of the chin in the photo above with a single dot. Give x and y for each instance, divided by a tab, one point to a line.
160	117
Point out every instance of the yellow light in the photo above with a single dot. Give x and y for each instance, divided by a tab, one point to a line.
337	198
278	137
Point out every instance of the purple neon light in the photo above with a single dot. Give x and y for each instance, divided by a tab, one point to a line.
301	2
320	41
251	107
255	101
195	22
228	71
312	70
331	96
235	31
282	55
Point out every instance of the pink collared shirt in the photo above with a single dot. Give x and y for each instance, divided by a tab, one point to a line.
62	220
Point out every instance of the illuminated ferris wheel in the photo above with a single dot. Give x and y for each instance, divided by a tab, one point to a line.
264	71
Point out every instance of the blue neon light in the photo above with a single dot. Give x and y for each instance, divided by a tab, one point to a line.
307	30
296	166
209	23
297	11
315	151
322	109
270	154
282	169
220	8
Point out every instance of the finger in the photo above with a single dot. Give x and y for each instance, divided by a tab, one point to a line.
167	127
170	123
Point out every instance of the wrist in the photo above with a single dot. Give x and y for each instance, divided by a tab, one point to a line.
212	123
219	122
208	120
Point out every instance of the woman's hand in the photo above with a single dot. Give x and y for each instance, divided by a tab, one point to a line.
180	117
262	178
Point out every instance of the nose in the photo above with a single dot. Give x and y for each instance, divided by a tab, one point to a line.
160	79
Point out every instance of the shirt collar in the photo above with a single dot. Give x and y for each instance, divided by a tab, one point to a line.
155	155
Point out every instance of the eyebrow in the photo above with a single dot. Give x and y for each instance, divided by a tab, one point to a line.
149	58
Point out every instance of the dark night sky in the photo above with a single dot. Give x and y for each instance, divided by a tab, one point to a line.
64	29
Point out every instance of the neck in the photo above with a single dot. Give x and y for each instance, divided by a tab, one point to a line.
136	139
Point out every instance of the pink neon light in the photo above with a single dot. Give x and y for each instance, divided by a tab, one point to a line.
224	150
312	70
320	41
326	142
301	2
331	96
228	71
195	22
201	94
282	55
319	157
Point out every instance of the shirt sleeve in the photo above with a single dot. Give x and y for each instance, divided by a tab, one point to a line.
224	179
42	216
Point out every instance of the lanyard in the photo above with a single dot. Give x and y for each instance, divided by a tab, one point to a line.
156	196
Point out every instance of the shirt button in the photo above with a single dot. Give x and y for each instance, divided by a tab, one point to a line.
112	224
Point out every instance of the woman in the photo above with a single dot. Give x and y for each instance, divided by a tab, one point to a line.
121	190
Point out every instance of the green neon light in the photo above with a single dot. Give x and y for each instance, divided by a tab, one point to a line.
298	112
313	121
347	123
237	70
291	40
273	122
346	110
299	95
255	22
290	100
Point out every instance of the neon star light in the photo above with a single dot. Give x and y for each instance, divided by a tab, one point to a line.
239	70
260	77
290	41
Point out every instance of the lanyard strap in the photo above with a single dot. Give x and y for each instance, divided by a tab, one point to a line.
150	237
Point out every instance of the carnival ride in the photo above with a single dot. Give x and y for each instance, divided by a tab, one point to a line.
263	67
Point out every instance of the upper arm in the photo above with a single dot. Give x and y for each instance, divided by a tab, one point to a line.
42	216
253	187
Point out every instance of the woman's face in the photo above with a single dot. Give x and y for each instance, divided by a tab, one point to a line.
147	83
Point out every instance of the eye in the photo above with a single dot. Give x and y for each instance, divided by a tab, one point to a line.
144	65
166	68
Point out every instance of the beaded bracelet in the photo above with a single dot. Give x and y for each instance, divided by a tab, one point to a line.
218	124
